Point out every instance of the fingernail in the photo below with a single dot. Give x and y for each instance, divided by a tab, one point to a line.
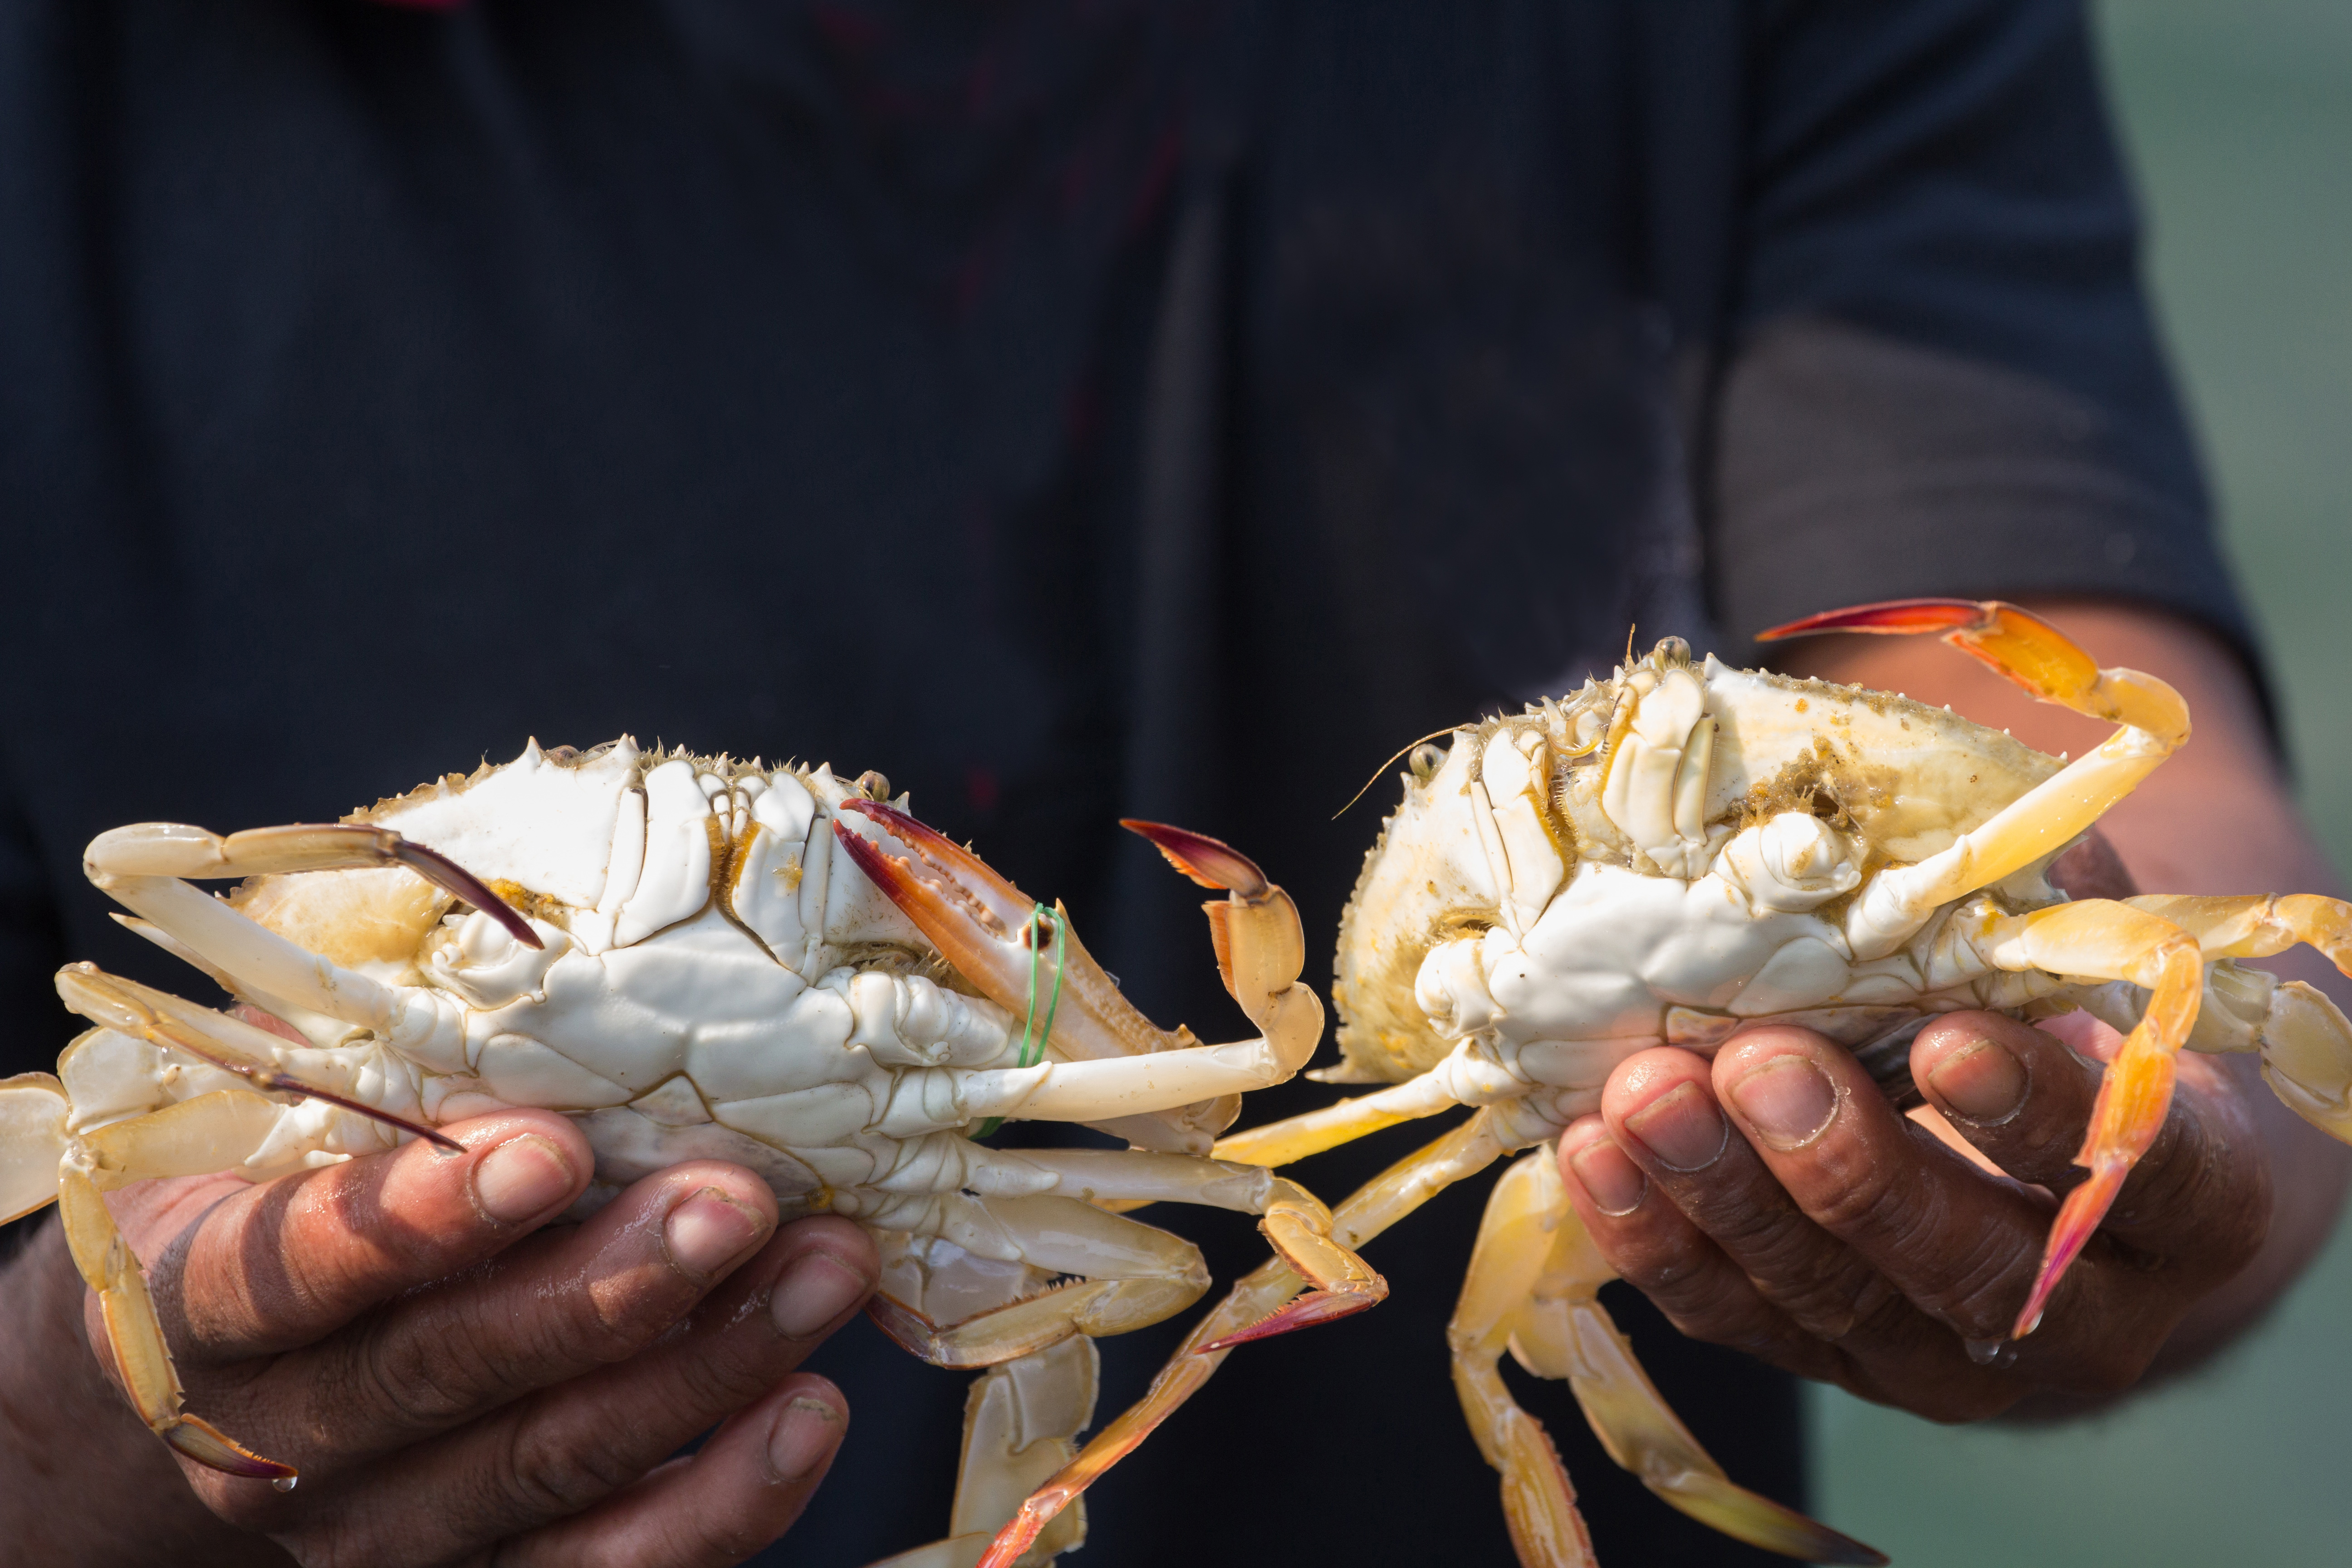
1787	1100
520	1179
807	1431
1982	1083
1682	1128
1616	1184
709	1229
816	1289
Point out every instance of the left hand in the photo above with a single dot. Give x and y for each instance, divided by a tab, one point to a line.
1773	1201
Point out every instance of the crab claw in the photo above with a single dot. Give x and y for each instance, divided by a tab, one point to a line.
2026	650
984	925
1261	947
1209	862
1899	617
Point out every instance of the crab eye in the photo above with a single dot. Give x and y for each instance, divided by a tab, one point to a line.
1424	760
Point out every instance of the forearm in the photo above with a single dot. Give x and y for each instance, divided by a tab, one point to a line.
2216	818
75	1456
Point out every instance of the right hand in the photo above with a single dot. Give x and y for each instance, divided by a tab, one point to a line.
457	1383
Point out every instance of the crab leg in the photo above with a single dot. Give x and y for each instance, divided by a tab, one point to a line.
1292	1219
141	867
190	1137
210	1132
1122	1087
1021	1420
981	924
1133	1276
1252	1308
2305	1040
1311	1132
136	1337
33	1113
2153	723
230	1044
2104	939
175	849
1532	1289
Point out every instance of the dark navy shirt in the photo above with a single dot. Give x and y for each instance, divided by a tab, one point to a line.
1070	409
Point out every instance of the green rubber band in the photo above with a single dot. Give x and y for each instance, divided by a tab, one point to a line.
1033	1040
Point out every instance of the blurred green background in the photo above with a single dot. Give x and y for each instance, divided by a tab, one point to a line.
2237	118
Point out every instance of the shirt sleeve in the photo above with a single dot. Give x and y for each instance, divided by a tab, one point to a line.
1942	375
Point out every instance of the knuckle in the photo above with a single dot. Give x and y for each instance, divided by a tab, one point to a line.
1837	1303
1717	1318
610	1320
2218	1202
425	1381
1869	1203
716	1382
550	1475
1764	1232
1669	1271
1977	1293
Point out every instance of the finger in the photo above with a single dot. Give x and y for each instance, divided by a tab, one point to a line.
739	1492
284	1263
1660	1106
567	1302
1660	1109
2023	1097
570	1448
1957	1243
1653	1246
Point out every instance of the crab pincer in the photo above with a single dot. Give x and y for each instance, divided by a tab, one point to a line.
989	930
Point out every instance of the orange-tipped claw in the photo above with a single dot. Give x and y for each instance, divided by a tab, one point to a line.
959	884
1176	1383
2025	649
2084	1207
1320	1307
979	923
1900	617
1209	862
215	1449
210	1036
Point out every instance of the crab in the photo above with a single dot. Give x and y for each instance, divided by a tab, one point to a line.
694	958
1688	851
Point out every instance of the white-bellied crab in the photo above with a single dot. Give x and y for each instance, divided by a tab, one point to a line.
695	958
1687	850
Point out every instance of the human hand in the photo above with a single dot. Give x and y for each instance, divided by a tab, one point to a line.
1773	1201
456	1383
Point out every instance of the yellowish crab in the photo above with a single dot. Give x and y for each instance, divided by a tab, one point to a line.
695	958
1688	851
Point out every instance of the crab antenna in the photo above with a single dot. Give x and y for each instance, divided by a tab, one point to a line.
1401	751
